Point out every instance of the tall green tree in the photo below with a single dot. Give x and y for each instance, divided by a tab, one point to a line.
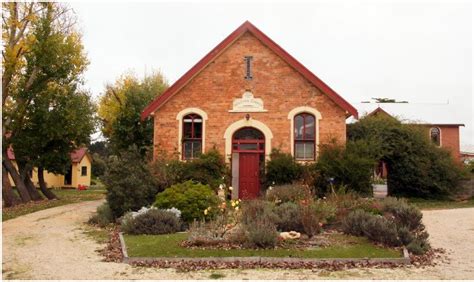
47	114
120	108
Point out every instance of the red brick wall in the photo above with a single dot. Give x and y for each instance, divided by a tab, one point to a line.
450	139
214	89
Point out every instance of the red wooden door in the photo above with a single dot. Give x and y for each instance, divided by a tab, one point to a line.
249	182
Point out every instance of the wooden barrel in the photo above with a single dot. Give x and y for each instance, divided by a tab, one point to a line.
380	190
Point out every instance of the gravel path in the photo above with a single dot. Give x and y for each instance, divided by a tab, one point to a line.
50	244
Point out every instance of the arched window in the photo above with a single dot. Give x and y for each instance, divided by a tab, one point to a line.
304	136
435	135
192	136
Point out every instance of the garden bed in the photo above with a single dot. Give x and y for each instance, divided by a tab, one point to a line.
341	248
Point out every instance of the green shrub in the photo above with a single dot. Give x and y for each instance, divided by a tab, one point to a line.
129	183
190	198
386	231
288	217
418	246
405	235
350	165
375	227
99	167
404	214
167	171
379	229
103	216
262	233
416	167
209	169
354	222
202	233
257	209
153	222
288	193
282	169
314	214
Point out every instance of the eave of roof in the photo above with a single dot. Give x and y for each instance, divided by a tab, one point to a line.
247	26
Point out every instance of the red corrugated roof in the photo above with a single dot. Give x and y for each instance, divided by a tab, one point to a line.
247	27
76	156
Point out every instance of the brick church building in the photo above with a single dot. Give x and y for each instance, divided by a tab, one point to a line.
244	98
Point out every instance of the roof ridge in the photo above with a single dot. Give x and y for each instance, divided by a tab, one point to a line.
223	45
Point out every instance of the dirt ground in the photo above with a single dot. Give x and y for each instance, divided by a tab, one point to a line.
50	244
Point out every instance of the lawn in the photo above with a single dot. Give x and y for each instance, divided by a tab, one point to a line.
425	204
66	196
169	246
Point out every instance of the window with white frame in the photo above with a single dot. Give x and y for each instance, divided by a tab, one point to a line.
304	137
192	136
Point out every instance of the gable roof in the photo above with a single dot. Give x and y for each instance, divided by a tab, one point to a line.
414	113
214	53
76	155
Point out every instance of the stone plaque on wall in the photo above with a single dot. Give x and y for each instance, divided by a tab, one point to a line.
247	104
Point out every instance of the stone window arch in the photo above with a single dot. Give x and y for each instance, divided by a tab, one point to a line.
191	132
304	114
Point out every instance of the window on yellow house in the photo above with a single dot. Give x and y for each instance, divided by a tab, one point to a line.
84	171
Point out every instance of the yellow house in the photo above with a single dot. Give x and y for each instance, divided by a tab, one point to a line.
78	174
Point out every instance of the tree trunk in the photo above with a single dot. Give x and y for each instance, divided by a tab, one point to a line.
25	175
9	197
20	185
44	189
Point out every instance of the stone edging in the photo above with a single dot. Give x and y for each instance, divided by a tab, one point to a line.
126	259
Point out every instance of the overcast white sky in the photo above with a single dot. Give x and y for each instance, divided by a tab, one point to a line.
415	51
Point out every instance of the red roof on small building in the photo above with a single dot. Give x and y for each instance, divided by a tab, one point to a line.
76	155
221	47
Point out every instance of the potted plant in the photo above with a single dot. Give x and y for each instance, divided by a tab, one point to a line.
379	186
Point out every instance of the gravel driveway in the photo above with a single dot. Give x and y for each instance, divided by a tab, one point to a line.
50	244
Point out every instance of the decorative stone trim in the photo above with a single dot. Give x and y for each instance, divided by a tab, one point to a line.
247	104
180	117
247	123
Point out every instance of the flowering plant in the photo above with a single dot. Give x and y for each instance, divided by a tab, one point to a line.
227	217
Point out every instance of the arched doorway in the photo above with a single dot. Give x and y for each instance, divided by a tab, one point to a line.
248	152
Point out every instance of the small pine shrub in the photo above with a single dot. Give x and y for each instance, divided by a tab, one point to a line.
379	229
282	169
129	183
288	193
191	199
288	217
405	235
202	234
354	222
311	222
153	222
262	233
404	214
103	216
257	209
418	246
